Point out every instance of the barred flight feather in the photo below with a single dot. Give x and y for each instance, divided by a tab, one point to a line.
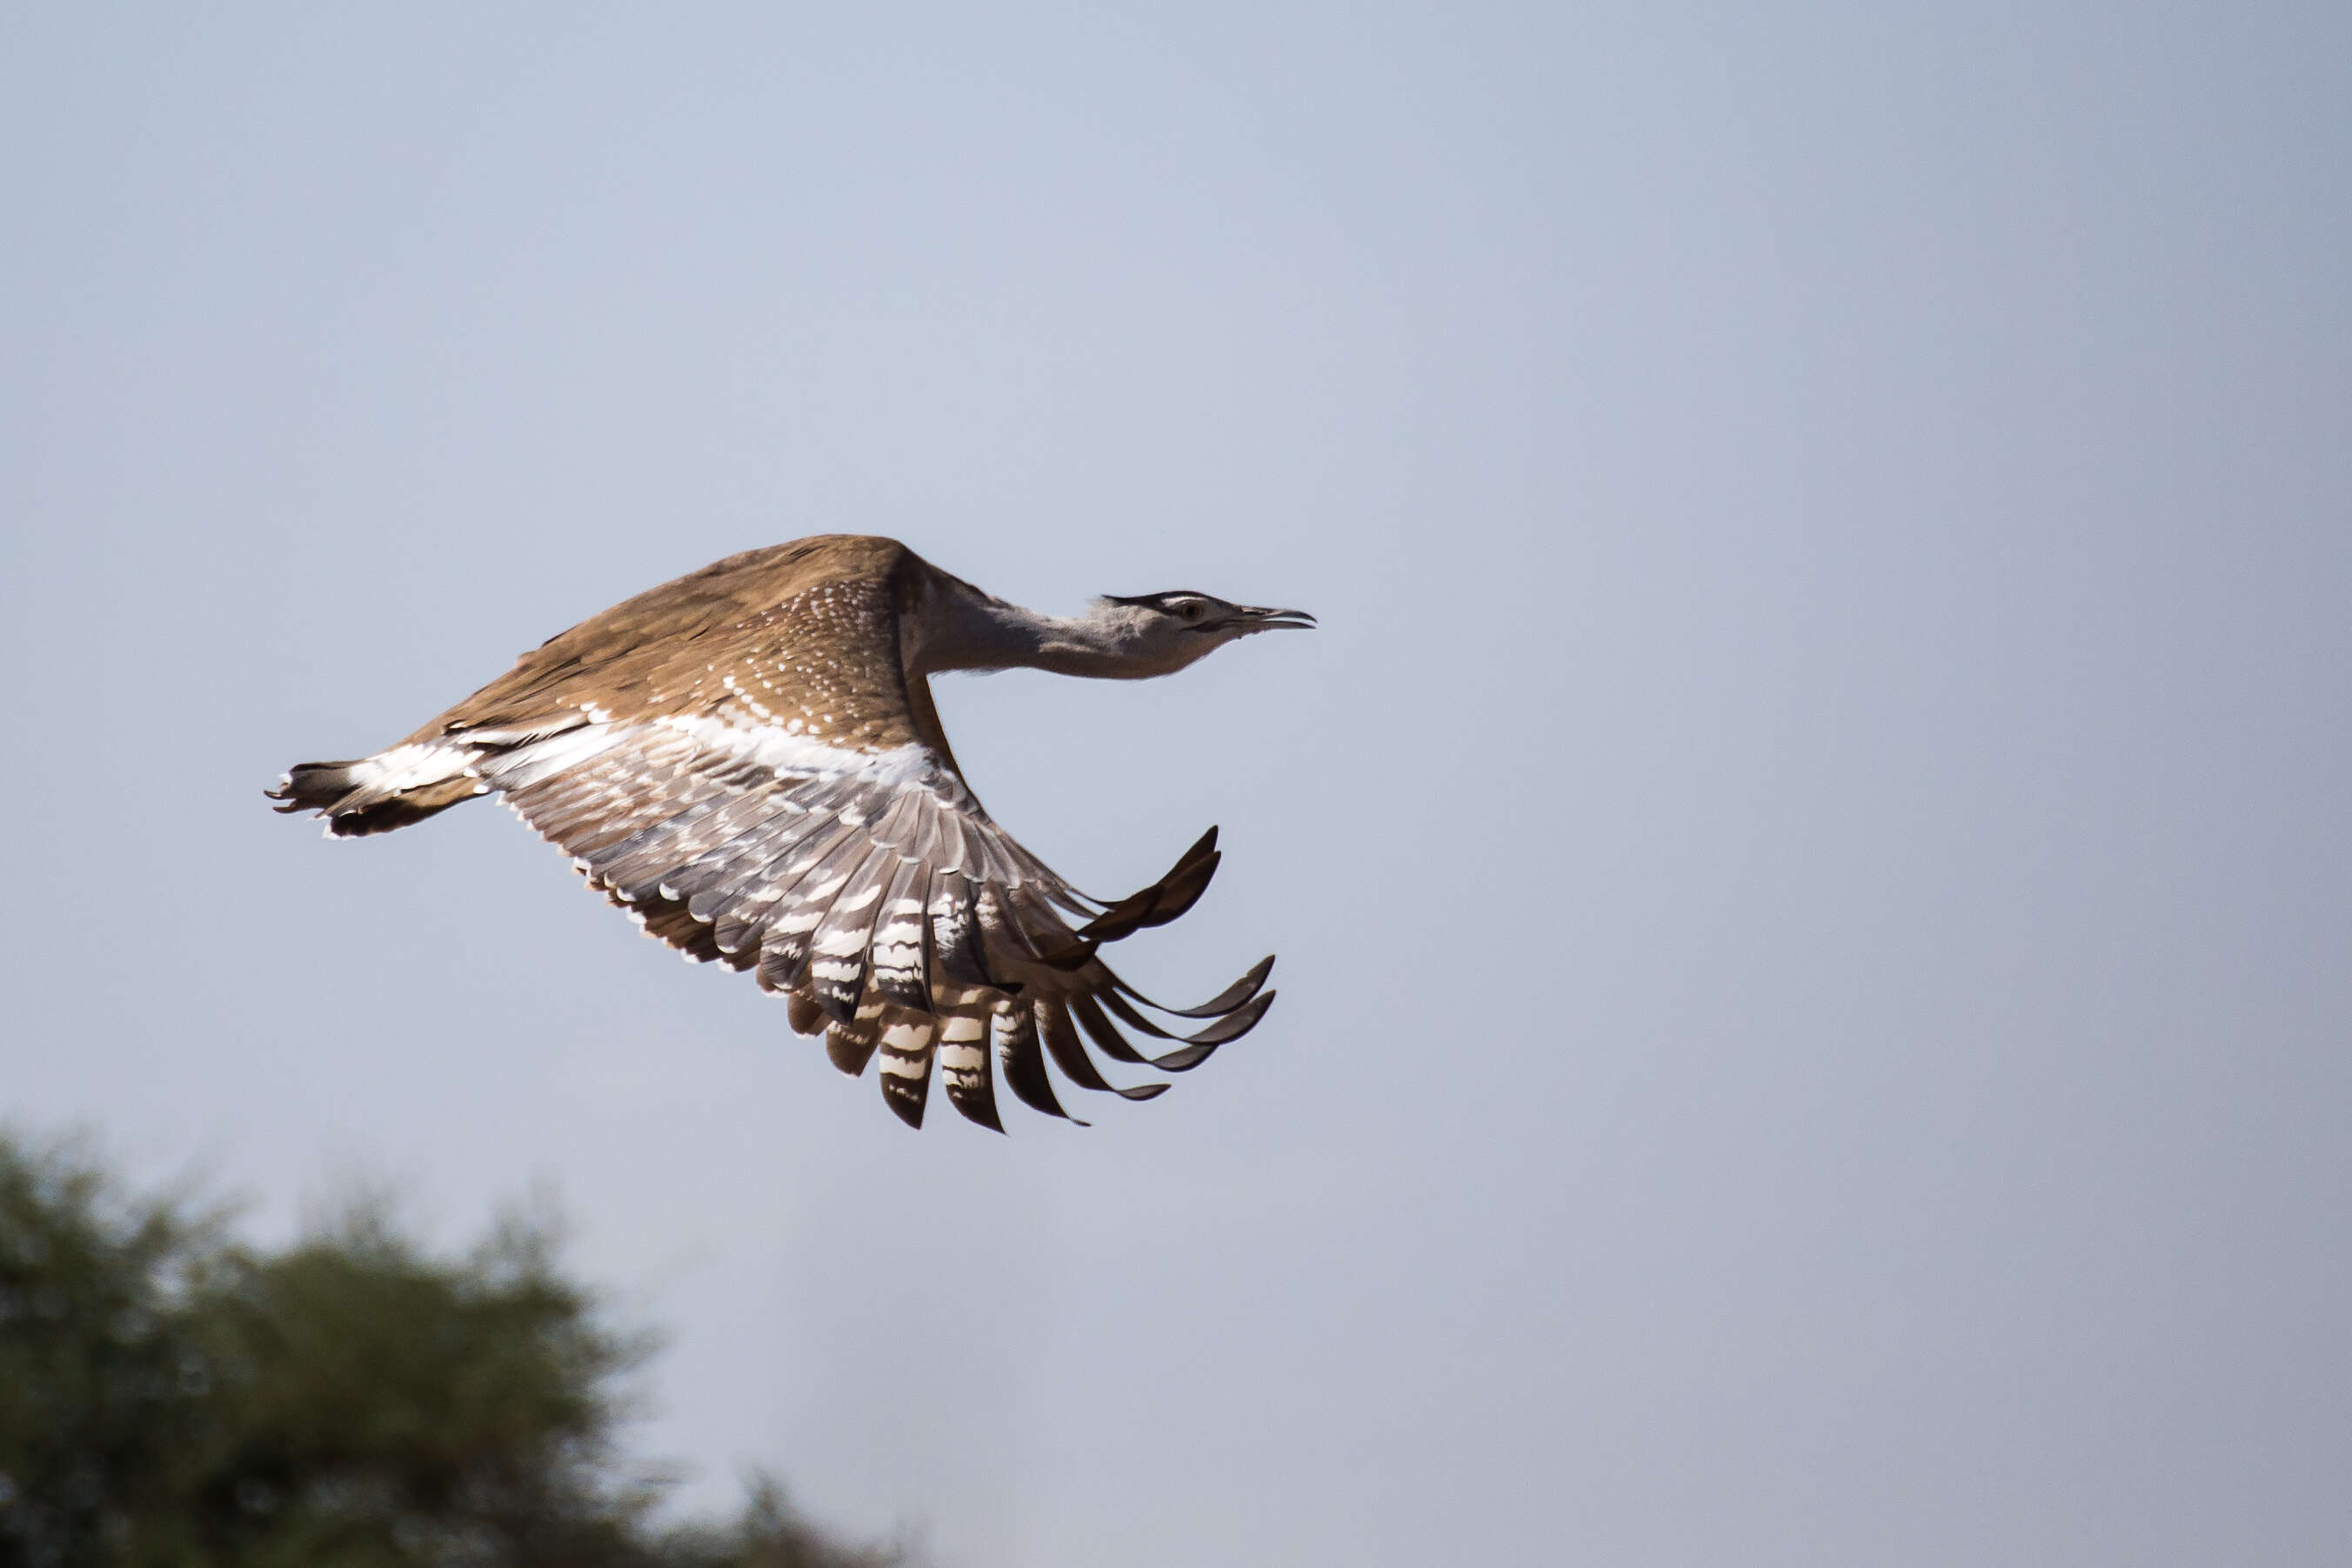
964	1066
1018	1053
906	1066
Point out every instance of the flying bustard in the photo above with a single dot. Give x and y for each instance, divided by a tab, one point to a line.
746	761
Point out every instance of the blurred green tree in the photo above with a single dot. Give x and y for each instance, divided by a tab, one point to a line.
170	1398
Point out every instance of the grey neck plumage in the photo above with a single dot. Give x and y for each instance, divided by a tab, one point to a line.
1107	642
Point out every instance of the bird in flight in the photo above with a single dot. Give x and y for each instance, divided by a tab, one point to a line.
747	762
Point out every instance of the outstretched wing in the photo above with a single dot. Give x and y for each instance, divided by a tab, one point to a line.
769	790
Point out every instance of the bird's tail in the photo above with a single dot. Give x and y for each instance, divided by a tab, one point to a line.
376	794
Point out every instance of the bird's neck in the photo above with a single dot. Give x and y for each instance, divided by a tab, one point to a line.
982	634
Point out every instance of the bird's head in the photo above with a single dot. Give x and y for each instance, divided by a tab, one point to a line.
1163	633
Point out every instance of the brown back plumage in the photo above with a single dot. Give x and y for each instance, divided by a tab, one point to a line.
811	626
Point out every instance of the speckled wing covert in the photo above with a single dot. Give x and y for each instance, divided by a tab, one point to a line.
737	759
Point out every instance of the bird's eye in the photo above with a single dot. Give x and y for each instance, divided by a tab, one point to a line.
1190	610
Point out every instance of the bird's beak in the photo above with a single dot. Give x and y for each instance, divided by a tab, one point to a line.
1256	618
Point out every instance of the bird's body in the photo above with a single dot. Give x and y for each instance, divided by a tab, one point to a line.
748	761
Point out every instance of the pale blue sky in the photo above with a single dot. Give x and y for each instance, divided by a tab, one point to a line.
1810	856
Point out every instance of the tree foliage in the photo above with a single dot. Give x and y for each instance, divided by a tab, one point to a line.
170	1398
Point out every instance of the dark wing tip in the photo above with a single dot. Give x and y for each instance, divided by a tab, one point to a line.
1191	1048
1165	899
1233	1024
968	1076
1073	957
804	1016
906	1099
850	1049
1218	1005
980	1109
1023	1062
